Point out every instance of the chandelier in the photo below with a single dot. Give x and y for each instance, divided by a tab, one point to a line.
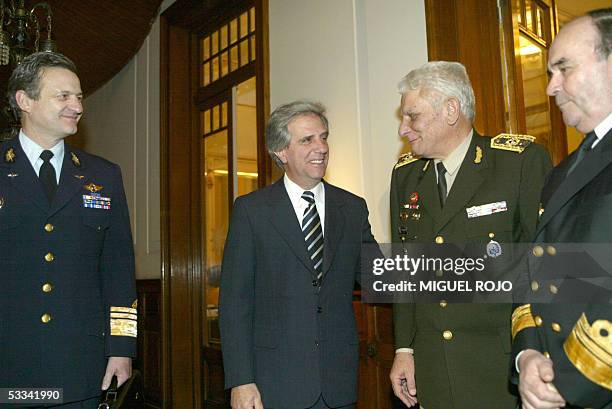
20	36
17	26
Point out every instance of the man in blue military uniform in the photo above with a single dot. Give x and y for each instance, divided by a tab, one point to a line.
562	344
68	299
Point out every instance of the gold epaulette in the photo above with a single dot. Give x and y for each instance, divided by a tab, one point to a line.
589	348
521	319
405	159
512	142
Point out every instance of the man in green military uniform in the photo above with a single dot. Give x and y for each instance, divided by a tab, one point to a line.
459	187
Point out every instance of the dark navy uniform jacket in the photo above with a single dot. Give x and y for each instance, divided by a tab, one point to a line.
67	288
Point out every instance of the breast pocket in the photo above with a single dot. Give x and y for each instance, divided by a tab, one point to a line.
496	226
95	225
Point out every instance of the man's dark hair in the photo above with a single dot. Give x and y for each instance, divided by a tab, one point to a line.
28	74
602	20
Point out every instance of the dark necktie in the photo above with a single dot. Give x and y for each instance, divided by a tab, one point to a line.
441	183
47	175
583	149
313	234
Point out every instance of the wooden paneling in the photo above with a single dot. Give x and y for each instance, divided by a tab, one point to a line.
467	31
150	340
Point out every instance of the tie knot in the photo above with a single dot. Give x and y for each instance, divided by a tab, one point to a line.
441	169
46	155
308	196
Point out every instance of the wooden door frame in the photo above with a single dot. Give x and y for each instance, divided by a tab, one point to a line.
181	238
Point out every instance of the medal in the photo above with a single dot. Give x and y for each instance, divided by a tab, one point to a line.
494	249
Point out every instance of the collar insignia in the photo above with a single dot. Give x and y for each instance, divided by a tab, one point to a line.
79	176
75	159
9	156
93	188
478	157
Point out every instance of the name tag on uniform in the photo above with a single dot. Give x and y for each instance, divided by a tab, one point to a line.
96	202
486	209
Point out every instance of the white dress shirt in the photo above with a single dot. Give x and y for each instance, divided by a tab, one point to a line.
602	129
299	205
33	151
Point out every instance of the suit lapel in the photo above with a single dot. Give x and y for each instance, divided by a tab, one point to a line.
334	225
283	219
595	161
21	175
466	184
70	181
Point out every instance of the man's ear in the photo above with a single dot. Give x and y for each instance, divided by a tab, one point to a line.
23	100
453	110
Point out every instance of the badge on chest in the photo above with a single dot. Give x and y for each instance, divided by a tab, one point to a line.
95	200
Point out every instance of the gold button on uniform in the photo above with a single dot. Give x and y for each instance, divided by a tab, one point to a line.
447	335
555	327
45	318
553	289
535	285
49	227
443	303
49	257
538	251
538	320
47	288
439	239
546	354
551	250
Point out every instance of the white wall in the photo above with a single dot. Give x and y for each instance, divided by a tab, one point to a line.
121	124
350	55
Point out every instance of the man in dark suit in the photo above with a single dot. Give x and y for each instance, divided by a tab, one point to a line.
563	344
68	299
291	259
459	188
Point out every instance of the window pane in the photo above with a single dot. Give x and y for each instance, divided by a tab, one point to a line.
234	31
537	110
224	114
244	24
205	73
252	13
215	42
215	118
224	37
246	137
224	63
215	69
206	122
206	49
215	188
253	47
244	52
234	58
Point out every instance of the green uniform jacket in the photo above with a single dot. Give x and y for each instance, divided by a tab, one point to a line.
462	351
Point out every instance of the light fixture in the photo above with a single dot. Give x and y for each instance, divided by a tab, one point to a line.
20	32
18	26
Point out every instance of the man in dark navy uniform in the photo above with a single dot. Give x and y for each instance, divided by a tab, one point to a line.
67	293
562	332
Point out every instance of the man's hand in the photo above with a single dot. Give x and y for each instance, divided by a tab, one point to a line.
535	382
402	378
246	397
119	366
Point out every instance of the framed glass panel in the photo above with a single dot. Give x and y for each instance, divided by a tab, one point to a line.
246	137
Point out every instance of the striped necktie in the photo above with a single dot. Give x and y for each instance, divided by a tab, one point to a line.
313	234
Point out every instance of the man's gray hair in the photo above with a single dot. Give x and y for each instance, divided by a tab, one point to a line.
447	78
27	75
277	131
602	20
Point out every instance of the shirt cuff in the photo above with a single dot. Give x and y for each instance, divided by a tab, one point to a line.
516	365
409	350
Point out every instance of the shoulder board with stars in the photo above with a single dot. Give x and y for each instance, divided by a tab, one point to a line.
405	159
512	142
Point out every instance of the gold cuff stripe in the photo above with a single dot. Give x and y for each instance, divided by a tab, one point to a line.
521	319
123	315
123	328
124	309
590	351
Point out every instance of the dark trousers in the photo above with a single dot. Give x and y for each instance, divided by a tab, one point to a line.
322	405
